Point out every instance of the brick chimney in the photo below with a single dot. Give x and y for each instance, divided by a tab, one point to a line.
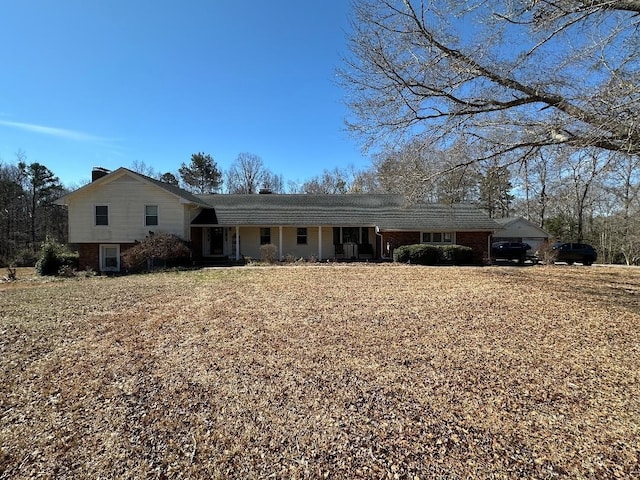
98	172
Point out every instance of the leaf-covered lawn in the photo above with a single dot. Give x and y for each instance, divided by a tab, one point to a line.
337	371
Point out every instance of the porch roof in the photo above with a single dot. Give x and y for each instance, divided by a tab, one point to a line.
388	212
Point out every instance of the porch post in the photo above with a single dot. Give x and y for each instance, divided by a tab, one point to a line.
319	242
237	242
280	242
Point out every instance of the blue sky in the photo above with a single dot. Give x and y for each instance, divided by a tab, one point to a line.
109	83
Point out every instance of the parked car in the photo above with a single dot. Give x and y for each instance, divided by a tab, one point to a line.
510	251
574	252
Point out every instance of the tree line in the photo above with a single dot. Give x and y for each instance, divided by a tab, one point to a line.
525	108
522	108
27	212
576	195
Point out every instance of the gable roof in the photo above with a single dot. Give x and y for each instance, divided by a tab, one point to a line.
513	225
388	212
385	211
174	190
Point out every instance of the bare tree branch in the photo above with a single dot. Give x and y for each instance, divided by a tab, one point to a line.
415	68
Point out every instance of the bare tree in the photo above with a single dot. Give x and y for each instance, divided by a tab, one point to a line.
339	181
329	182
541	73
273	182
623	219
248	174
580	184
535	174
423	173
141	167
245	175
13	206
495	187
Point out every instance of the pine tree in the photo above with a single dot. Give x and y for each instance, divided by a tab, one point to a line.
201	175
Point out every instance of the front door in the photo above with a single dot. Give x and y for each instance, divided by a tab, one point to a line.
217	241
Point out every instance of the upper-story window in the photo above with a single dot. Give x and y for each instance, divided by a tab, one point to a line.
102	215
151	215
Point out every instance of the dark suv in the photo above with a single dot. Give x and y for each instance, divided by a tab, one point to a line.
574	252
510	251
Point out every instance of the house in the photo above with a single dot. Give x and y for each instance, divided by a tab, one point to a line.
518	229
119	208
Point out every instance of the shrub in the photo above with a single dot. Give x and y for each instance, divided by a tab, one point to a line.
456	254
53	257
424	254
268	253
546	254
66	271
419	254
159	249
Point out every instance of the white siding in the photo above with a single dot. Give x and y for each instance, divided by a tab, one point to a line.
126	198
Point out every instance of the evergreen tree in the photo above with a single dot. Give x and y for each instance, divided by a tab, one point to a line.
201	175
169	178
42	188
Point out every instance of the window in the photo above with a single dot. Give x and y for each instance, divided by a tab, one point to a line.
265	236
302	236
110	258
350	235
437	237
102	215
151	215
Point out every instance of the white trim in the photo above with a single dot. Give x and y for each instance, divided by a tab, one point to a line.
102	251
144	214
96	205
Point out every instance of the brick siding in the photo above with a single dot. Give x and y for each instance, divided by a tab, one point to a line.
479	242
89	254
196	242
397	239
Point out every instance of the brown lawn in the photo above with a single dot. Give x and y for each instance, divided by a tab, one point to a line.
334	371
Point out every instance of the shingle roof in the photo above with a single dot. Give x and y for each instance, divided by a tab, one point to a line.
174	189
388	212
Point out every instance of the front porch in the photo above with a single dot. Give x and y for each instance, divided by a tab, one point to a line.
220	244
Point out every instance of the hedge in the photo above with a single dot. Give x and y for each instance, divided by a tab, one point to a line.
425	254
